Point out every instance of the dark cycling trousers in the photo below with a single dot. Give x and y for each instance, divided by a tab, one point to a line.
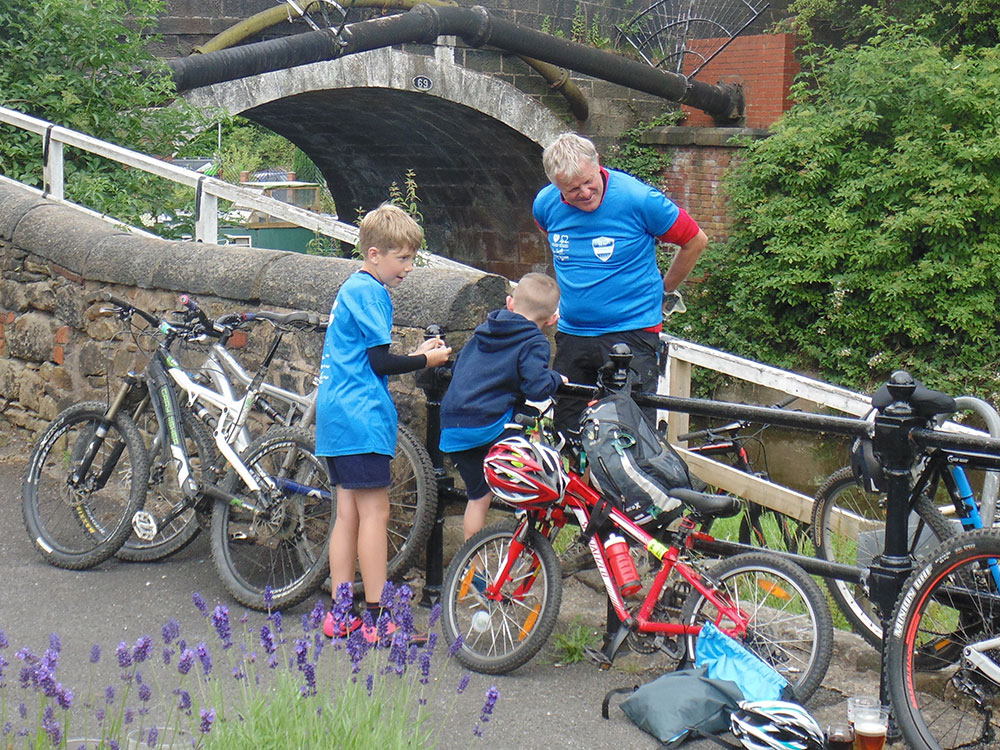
580	357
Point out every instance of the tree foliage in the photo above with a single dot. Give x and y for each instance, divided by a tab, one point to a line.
84	64
867	233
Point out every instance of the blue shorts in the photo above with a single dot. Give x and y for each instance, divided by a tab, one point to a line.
470	467
359	471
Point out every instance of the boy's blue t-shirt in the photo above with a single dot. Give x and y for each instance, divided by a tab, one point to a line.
354	410
605	260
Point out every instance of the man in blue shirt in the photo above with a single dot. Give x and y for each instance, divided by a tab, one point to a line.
602	226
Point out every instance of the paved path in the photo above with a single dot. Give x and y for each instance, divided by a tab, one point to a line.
542	705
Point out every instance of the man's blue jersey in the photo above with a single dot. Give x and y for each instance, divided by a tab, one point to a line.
605	260
354	411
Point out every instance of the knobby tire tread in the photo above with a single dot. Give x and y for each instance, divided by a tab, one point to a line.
413	549
52	549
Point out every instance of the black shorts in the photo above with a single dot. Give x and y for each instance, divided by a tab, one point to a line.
580	357
360	471
470	467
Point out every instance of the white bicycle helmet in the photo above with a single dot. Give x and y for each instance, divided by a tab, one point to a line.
525	474
775	725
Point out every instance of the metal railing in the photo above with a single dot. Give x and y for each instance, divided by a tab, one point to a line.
207	190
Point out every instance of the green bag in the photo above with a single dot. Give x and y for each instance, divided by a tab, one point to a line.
676	704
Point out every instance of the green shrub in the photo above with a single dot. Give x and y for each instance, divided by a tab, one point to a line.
867	227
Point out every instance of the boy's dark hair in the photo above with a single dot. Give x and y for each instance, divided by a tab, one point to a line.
536	297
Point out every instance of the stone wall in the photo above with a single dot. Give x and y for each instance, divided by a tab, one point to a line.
56	348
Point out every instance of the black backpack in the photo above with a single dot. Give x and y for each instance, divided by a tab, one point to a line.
628	463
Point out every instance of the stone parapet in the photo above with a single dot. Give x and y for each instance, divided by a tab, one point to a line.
56	348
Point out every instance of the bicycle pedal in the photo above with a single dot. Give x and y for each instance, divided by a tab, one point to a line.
144	525
598	657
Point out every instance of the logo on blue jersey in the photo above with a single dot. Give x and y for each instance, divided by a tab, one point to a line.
560	246
604	247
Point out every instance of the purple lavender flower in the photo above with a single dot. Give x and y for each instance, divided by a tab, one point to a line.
113	745
145	692
205	658
129	715
65	698
183	701
4	643
168	654
397	653
455	646
370	684
492	694
143	649
309	689
99	715
463	683
109	695
124	657
343	602
357	647
95	654
171	631
316	615
425	667
435	614
186	661
301	652
267	640
51	726
200	603
268	598
275	618
388	594
207	717
220	620
54	643
152	737
8	727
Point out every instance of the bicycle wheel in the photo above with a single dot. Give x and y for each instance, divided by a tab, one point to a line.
767	528
412	503
848	526
287	548
500	633
164	496
789	621
78	526
951	603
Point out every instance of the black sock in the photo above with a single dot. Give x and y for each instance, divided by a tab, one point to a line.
375	610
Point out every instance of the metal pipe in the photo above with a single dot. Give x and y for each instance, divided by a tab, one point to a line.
558	78
476	27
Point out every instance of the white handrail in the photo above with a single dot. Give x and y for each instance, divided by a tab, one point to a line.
208	189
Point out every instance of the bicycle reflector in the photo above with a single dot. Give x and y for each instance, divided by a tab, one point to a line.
525	474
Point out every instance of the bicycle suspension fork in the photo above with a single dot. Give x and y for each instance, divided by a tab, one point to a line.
100	433
171	425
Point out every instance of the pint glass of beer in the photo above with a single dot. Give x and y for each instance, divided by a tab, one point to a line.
870	726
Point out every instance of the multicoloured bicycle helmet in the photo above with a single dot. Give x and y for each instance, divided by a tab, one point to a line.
525	474
775	725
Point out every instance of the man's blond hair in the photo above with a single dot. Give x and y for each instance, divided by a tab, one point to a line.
562	157
387	228
536	297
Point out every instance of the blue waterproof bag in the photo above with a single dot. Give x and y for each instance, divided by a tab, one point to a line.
726	659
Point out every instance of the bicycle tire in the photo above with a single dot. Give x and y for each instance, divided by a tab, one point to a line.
78	529
790	625
498	637
163	495
952	599
412	504
277	562
769	529
841	491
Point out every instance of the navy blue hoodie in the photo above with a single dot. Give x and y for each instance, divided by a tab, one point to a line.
505	362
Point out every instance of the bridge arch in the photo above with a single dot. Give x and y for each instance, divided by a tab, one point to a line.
473	140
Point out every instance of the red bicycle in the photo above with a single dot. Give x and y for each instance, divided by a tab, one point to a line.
502	590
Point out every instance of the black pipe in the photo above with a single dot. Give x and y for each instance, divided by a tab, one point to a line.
477	27
762	414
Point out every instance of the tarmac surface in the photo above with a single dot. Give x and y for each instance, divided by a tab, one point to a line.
542	705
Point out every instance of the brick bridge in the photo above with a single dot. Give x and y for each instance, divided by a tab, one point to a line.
471	122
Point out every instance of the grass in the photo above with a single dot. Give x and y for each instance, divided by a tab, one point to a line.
571	645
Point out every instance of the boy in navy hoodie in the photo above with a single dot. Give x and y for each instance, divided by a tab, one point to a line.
504	363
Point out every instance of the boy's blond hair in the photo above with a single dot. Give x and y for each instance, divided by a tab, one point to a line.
536	297
387	228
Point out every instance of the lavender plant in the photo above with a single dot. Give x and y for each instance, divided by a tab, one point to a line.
245	685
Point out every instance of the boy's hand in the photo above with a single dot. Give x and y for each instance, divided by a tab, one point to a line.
435	351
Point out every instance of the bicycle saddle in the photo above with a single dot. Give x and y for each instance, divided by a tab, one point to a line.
704	505
925	402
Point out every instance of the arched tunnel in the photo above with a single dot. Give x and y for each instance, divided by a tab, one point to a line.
475	176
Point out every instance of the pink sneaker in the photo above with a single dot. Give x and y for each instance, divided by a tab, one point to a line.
330	630
371	635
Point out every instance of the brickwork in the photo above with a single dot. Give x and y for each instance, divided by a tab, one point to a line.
764	65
